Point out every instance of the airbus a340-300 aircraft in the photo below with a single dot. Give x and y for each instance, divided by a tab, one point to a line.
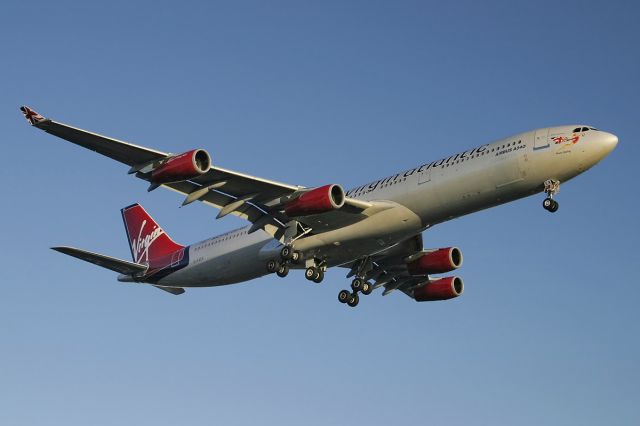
374	230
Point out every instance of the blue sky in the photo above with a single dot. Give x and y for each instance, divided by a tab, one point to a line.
313	93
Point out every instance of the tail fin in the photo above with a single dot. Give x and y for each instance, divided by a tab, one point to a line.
147	240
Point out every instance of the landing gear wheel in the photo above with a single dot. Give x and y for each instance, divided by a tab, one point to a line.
551	188
357	284
311	273
367	288
319	277
283	271
272	266
286	253
295	256
343	296
353	300
550	205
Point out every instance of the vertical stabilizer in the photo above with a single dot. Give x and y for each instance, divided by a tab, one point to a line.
147	240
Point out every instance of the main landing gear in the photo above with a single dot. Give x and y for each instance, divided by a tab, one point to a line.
551	188
351	298
314	272
287	257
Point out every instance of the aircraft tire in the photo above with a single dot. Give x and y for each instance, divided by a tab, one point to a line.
343	296
353	300
310	273
367	288
272	266
356	284
283	271
286	253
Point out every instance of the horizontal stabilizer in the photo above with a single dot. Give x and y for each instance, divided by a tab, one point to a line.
117	265
173	290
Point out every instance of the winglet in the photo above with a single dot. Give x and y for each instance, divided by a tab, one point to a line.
32	116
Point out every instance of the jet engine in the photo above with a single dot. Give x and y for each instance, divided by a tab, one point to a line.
436	262
188	165
315	201
439	289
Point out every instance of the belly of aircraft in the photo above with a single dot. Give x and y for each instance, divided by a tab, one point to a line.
373	234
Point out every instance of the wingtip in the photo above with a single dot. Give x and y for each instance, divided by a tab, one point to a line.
31	115
61	249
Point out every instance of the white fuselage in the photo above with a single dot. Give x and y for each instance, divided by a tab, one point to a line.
409	202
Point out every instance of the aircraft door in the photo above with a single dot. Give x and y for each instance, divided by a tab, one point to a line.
541	139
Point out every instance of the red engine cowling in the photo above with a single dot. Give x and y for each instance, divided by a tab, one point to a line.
181	167
436	262
315	201
439	289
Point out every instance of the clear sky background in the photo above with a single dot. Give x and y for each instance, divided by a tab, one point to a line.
312	93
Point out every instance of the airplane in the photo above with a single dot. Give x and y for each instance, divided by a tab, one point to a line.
373	230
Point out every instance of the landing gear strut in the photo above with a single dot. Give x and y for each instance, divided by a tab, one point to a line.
551	187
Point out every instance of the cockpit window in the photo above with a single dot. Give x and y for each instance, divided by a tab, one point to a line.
593	128
576	130
585	129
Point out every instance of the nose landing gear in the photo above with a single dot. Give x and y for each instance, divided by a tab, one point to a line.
551	187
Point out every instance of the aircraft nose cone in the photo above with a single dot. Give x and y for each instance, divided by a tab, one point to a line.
609	142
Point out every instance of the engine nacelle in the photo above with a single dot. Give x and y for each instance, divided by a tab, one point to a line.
316	201
439	289
181	167
436	262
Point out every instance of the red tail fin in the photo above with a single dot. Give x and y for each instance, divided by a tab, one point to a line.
147	240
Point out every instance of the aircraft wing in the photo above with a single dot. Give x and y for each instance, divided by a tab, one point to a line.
249	197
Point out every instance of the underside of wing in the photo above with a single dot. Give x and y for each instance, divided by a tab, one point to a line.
388	268
408	267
